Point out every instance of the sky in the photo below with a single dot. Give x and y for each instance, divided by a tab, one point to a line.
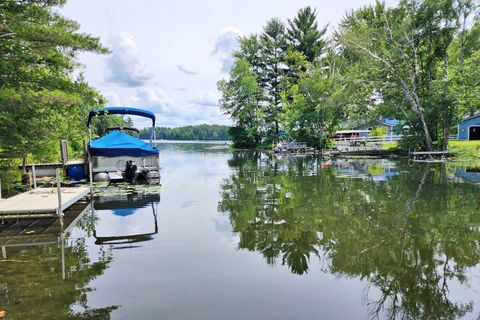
167	56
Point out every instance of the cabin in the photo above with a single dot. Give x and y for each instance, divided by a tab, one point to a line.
391	126
469	128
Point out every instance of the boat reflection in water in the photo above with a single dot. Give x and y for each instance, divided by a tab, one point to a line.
124	218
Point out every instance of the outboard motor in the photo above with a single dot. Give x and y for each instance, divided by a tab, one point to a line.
130	171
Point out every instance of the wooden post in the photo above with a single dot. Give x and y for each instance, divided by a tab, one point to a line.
0	188
24	165
64	154
29	180
34	177
85	156
59	193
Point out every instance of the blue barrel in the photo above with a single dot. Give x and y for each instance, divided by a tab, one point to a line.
76	172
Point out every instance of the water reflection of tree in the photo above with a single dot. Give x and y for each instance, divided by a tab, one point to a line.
408	236
33	288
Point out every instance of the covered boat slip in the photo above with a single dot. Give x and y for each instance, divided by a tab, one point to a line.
121	155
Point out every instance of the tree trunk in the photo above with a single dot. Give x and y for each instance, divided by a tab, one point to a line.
417	109
448	105
448	111
426	134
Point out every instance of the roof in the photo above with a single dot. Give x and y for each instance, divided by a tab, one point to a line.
352	131
118	143
390	122
121	110
363	123
471	117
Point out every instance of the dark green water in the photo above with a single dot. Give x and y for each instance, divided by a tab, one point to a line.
251	236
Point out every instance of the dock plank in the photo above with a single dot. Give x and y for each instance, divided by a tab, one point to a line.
41	200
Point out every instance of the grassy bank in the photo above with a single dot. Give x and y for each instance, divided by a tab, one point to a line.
465	150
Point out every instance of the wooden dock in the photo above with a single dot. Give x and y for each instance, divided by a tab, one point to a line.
422	155
43	202
358	152
39	231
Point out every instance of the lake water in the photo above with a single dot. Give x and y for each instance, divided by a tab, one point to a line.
248	235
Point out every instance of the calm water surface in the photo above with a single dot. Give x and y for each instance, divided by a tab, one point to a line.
247	235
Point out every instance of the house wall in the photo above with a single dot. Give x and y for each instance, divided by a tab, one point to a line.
463	127
390	130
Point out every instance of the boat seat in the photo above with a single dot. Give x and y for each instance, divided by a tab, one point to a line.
115	176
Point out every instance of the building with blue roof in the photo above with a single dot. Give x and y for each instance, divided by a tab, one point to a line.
391	126
469	128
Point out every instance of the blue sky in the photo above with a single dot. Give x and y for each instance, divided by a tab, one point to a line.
168	55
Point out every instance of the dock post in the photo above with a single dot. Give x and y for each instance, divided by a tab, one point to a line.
59	192
90	173
62	248
90	164
29	180
34	177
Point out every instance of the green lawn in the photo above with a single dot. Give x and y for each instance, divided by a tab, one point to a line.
390	145
465	150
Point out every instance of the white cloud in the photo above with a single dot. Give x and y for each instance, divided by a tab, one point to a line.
226	43
113	98
180	89
209	98
151	53
124	64
187	70
154	99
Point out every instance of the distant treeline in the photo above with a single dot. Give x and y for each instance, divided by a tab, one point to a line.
198	132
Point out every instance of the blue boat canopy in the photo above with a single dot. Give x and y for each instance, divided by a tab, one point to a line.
118	143
121	110
124	212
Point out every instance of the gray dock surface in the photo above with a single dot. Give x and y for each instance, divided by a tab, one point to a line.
41	201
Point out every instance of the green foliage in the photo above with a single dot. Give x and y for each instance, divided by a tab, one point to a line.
466	83
313	108
100	124
417	62
240	99
241	138
267	66
41	101
304	35
198	132
411	142
403	54
378	132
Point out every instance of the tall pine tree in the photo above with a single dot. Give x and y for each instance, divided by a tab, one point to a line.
305	36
